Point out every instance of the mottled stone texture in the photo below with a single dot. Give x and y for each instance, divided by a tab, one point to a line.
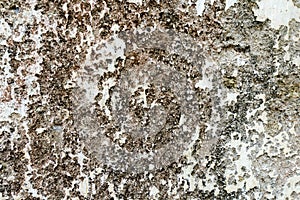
66	70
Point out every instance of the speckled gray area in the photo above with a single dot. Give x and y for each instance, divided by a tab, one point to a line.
149	99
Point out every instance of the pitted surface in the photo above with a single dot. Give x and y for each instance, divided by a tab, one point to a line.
68	69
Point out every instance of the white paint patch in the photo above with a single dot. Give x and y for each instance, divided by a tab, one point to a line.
3	197
138	2
296	61
204	83
91	88
229	3
260	108
187	170
280	12
65	7
207	76
153	191
292	185
232	96
151	167
182	120
111	189
236	171
115	27
40	130
105	10
200	7
274	146
5	31
84	187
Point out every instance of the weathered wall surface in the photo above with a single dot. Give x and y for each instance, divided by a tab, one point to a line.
150	99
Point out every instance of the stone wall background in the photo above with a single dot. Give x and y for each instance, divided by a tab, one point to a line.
246	145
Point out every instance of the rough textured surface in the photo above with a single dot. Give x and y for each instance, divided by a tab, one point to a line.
70	77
